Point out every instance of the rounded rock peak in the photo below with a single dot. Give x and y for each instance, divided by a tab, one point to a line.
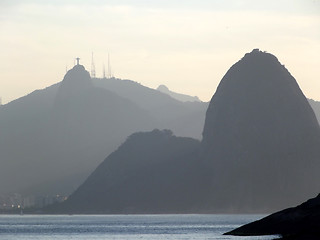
78	67
163	88
75	82
77	72
77	76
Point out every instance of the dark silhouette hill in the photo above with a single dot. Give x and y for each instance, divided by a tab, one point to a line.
52	139
261	139
179	96
152	172
299	223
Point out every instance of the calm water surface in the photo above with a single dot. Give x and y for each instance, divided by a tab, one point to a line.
122	227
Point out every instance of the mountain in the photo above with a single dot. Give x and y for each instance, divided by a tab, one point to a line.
261	139
301	222
52	139
260	148
151	172
260	151
178	96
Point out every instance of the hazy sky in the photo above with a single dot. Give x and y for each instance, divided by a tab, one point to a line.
187	45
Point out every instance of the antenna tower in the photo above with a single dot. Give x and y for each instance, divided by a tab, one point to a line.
104	71
109	68
93	69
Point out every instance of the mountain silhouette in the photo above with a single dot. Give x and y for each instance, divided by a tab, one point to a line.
53	139
152	172
259	153
261	139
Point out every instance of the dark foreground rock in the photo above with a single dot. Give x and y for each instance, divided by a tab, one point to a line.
301	222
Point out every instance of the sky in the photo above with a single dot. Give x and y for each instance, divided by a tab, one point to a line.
186	45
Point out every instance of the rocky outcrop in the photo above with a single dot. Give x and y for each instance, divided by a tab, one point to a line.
301	222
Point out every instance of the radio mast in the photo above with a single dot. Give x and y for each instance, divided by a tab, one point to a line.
110	75
93	69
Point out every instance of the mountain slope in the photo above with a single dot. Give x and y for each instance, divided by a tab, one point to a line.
261	138
62	133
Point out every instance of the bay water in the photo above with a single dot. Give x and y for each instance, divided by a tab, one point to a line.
123	227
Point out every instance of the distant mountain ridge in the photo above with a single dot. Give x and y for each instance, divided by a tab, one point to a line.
53	138
47	150
185	119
